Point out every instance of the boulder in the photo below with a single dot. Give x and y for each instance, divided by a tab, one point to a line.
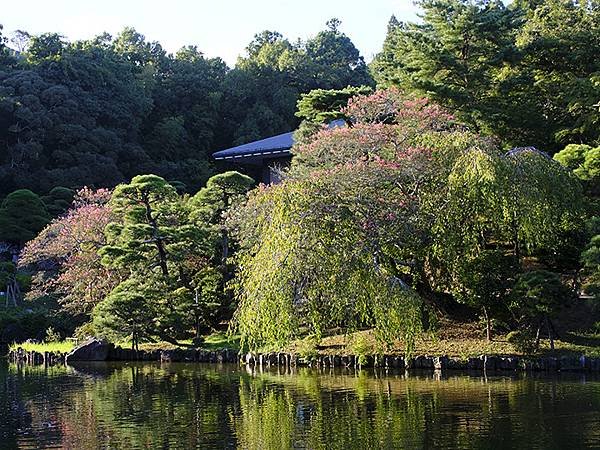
90	350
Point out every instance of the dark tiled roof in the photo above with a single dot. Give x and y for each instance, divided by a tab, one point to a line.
279	145
276	145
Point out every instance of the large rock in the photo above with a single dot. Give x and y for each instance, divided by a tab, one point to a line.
90	350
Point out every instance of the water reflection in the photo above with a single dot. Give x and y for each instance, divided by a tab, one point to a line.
202	406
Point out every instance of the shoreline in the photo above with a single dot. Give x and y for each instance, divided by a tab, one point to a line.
483	363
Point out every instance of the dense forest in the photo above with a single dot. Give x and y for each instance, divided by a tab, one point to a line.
465	180
98	112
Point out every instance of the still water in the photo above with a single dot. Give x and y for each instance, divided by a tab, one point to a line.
133	406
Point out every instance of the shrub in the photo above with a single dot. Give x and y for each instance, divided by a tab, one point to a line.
307	348
84	331
522	341
361	347
52	335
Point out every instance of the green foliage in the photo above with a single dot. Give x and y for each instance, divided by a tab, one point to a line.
522	199
205	300
208	208
4	54
361	348
572	156
307	348
58	200
19	324
52	336
452	55
540	293
70	117
538	297
127	312
7	272
274	74
557	43
45	46
543	201
322	106
221	192
97	112
404	203
525	72
154	241
85	331
319	107
372	221
522	341
485	281
152	229
591	263
310	264
22	216
168	249
584	161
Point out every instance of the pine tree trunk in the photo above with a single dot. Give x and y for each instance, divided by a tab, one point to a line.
225	254
537	334
488	324
550	335
162	254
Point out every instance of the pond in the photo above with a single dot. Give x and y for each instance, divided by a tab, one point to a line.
133	406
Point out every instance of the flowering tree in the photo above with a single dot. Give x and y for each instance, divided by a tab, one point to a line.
374	219
341	241
320	253
67	251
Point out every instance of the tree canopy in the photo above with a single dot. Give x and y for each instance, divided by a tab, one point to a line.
525	72
22	216
374	220
101	111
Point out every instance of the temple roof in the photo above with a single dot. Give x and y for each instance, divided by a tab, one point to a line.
271	147
277	146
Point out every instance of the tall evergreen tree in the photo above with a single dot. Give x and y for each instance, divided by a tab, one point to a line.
526	72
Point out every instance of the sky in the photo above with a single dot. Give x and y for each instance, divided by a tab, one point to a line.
218	27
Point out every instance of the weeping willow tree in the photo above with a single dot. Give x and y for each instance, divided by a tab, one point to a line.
374	221
521	200
343	241
542	201
321	257
501	208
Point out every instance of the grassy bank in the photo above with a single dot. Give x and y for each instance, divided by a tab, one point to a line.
53	347
453	339
214	341
461	340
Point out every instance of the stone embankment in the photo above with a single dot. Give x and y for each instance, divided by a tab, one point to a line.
98	350
483	362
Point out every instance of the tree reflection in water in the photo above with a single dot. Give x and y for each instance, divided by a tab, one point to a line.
212	406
